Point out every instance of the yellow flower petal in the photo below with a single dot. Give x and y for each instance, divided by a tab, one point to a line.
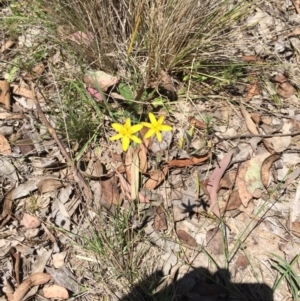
165	127
125	143
147	124
152	119
127	124
135	139
116	137
136	128
158	136
161	119
117	127
150	133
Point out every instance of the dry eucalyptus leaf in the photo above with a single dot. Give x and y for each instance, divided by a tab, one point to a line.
55	291
249	122
285	90
186	238
47	185
33	280
81	38
58	259
99	79
160	221
214	241
30	222
5	148
156	178
5	94
265	168
248	179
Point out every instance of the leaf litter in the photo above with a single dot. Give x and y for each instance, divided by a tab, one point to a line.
237	178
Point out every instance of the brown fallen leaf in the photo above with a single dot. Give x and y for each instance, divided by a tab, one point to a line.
234	201
5	94
81	38
166	82
26	285
55	291
7	45
36	71
285	89
6	208
265	168
295	228
99	79
25	145
249	122
295	32
197	123
47	185
22	91
30	222
189	162
5	148
252	90
156	178
160	221
214	241
214	180
186	238
110	191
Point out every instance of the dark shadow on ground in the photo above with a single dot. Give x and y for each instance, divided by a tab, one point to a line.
199	285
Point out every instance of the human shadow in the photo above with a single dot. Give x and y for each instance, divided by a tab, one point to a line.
199	285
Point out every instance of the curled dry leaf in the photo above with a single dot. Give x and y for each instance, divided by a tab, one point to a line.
33	280
156	178
285	89
197	123
234	201
166	82
81	38
30	222
252	90
160	221
214	180
265	168
47	185
186	238
5	148
95	93
110	191
5	94
99	79
55	291
249	122
189	162
214	241
248	179
7	45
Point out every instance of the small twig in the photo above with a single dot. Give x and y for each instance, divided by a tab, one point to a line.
77	175
259	136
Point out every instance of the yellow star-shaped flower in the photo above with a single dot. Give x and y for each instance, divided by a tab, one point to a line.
156	127
126	132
